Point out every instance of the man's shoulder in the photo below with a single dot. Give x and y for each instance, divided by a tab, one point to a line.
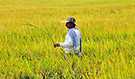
73	29
74	32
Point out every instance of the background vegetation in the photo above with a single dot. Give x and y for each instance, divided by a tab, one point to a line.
27	28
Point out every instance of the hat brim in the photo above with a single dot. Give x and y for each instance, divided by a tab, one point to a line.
69	21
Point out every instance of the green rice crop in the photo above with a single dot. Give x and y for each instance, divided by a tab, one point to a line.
27	29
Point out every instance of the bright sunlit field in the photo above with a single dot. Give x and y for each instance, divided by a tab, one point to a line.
27	28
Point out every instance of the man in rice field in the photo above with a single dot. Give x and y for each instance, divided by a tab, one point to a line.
73	40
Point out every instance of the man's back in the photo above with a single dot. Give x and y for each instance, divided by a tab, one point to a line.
73	37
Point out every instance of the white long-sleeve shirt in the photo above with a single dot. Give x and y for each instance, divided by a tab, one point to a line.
73	41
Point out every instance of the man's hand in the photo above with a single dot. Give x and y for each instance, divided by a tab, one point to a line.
56	45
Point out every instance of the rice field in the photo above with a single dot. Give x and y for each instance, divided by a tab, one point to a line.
28	29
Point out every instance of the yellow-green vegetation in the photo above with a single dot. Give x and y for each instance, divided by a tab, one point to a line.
27	28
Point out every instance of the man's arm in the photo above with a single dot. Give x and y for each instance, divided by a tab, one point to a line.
68	43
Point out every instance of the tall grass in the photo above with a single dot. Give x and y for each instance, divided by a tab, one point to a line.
26	47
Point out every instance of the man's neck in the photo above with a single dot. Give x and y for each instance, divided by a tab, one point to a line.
71	28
